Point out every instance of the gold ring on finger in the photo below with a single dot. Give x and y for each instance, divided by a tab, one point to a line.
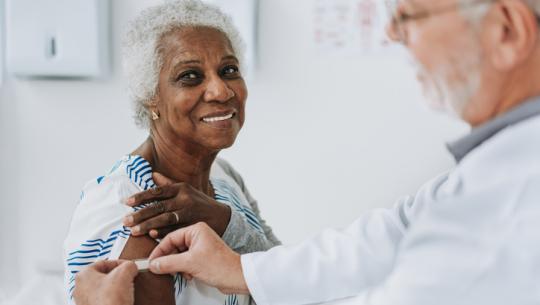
177	217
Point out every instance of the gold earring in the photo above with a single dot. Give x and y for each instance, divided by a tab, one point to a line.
155	116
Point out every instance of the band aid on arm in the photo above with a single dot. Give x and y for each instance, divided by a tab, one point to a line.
143	265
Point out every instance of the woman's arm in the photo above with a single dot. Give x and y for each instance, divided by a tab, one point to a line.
150	288
96	233
240	235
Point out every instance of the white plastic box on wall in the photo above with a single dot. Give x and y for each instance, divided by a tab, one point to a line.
57	38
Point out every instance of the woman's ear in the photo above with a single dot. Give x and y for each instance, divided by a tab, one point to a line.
154	101
153	108
512	33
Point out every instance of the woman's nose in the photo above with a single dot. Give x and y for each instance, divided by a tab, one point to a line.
218	91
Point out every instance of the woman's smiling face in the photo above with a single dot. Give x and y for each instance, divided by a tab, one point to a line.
201	94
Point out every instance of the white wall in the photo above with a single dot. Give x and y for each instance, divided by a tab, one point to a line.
326	138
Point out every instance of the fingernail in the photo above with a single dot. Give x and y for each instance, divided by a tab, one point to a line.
128	220
135	229
154	266
130	200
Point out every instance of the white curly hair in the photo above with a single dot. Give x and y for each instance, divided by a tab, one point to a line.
141	58
476	15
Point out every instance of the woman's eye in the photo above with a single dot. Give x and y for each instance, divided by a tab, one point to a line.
189	76
231	71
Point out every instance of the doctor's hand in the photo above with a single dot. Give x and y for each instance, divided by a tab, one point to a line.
198	252
106	283
174	206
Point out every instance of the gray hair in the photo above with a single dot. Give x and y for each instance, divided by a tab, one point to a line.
141	57
476	14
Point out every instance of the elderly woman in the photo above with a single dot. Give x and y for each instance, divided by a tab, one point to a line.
183	62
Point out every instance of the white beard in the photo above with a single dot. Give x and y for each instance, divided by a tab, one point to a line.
447	97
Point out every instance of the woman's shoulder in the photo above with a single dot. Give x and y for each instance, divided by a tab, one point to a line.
223	170
103	196
102	204
96	230
229	189
228	185
130	173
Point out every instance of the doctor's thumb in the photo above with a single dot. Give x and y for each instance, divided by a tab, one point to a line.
175	263
125	272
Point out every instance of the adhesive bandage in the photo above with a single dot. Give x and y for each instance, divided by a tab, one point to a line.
142	264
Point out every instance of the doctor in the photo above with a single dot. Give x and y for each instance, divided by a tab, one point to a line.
470	236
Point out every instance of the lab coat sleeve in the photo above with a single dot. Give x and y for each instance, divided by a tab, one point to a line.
480	249
428	272
334	264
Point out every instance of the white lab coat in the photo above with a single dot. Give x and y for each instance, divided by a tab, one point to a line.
471	236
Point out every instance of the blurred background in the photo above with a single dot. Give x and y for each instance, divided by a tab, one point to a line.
335	124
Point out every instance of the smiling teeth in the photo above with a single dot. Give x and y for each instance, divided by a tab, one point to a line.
219	118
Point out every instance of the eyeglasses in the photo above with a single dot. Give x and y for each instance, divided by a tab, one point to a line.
400	18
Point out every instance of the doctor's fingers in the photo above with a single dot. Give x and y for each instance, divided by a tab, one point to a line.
162	232
175	242
170	264
93	274
104	266
124	273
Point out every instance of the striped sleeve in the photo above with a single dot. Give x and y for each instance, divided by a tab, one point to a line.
96	231
247	230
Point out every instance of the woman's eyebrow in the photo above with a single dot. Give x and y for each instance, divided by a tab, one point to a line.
195	61
187	62
180	63
228	57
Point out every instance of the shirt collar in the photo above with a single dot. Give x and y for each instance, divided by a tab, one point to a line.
482	133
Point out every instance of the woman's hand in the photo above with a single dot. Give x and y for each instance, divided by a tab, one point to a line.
197	252
174	205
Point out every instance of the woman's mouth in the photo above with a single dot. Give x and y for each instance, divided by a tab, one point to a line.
220	120
211	119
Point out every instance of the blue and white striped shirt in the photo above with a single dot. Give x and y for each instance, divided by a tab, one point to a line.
96	231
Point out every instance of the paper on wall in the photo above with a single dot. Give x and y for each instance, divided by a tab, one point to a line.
351	27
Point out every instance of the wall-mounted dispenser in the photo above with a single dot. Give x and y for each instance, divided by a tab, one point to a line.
57	38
